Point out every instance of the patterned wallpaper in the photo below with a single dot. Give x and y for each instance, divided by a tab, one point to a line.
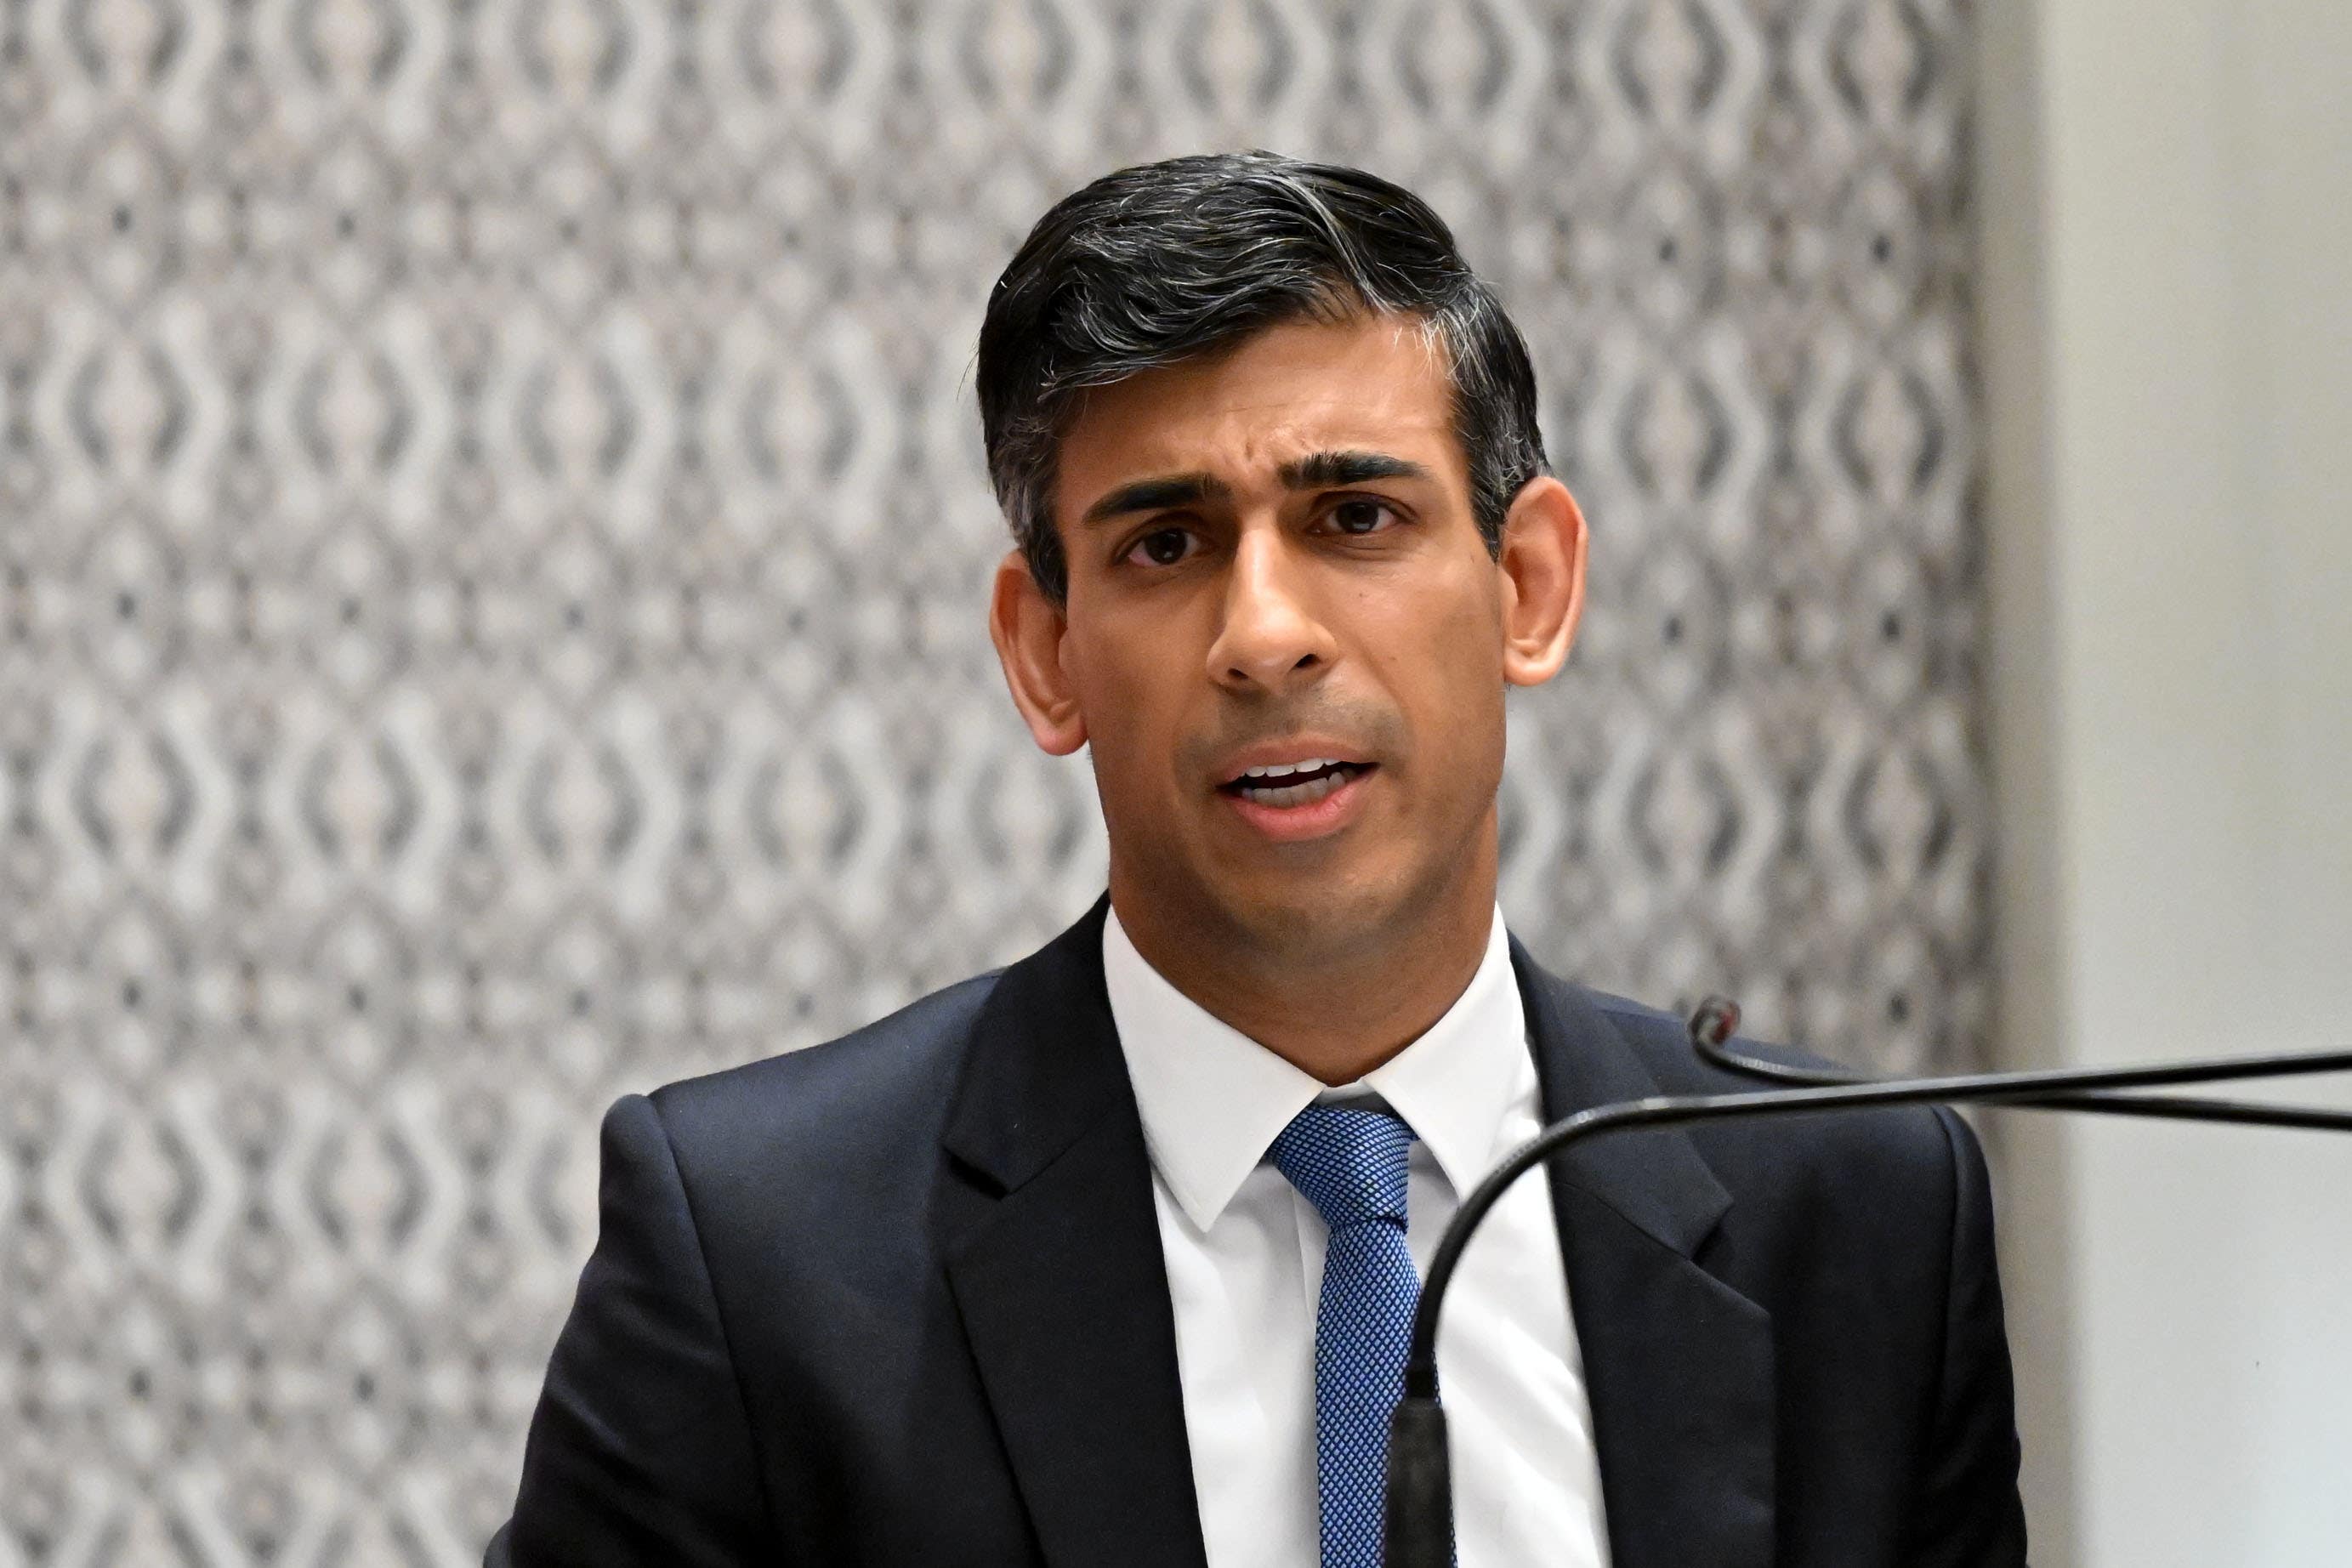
492	547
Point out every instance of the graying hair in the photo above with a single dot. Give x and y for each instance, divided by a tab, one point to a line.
1162	262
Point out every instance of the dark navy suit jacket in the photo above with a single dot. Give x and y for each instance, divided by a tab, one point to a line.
898	1300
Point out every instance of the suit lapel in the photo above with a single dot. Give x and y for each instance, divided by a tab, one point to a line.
1058	1275
1678	1365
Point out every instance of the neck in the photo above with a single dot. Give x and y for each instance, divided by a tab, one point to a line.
1335	1009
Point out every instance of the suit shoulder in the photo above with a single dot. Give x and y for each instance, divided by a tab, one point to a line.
881	1075
1906	1145
1664	1042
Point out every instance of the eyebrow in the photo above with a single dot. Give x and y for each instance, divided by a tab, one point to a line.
1158	495
1315	470
1319	469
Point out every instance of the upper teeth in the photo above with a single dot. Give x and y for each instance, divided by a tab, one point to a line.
1283	770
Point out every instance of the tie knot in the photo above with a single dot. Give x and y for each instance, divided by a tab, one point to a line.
1350	1165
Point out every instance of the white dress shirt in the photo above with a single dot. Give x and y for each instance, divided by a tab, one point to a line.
1245	1253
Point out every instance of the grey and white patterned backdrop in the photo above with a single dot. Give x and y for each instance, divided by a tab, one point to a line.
492	547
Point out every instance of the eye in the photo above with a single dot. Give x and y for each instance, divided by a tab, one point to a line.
1162	547
1361	515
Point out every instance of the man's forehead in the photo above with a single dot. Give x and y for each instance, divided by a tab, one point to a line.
1255	412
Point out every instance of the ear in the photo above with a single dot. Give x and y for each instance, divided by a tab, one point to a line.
1027	629
1542	566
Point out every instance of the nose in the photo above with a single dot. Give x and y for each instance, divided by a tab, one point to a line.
1270	638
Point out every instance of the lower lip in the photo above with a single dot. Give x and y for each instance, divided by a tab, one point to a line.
1289	824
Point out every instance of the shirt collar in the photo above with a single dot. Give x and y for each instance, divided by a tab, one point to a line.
1213	1100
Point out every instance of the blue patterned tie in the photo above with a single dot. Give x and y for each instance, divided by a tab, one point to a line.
1350	1165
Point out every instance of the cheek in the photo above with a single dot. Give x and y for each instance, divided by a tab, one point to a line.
1127	692
1446	669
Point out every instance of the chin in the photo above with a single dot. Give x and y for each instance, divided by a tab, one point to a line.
1316	916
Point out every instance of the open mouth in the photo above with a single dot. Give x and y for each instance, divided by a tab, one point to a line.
1293	783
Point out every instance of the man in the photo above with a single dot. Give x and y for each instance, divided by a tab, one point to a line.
1106	1257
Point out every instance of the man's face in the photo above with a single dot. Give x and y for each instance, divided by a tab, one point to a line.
1272	564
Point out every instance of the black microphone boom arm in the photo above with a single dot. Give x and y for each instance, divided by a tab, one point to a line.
1419	1509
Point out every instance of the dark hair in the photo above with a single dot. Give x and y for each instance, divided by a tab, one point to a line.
1162	262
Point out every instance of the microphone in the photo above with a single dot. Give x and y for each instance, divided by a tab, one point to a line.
1418	1524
